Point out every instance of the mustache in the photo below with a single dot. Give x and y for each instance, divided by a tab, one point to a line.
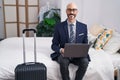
71	14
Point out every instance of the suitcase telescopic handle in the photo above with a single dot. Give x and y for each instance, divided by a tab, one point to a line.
29	30
24	52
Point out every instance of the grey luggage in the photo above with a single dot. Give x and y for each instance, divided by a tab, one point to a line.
30	70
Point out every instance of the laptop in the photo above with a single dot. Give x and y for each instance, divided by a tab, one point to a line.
76	50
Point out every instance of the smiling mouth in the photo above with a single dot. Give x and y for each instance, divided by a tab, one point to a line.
71	16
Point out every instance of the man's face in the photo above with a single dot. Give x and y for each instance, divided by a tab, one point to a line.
71	12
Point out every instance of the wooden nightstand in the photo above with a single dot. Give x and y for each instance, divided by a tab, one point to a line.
115	74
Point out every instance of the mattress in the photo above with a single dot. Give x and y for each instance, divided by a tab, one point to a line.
11	54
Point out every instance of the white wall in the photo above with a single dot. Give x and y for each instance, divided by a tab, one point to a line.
91	11
110	13
104	12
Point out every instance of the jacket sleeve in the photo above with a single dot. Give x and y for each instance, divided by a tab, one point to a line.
56	40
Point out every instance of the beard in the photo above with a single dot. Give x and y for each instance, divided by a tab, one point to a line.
71	16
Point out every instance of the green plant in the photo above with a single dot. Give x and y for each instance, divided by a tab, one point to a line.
50	19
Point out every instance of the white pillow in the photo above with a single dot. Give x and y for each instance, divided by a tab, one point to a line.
102	39
96	29
113	44
91	38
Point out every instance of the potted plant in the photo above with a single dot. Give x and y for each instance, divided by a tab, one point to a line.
46	27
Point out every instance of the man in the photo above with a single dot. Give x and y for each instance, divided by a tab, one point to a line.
63	34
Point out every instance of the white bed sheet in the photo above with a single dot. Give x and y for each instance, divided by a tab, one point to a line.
11	54
115	57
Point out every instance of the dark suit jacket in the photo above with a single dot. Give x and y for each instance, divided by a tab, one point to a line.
61	36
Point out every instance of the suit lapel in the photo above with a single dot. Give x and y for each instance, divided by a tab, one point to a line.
78	30
66	30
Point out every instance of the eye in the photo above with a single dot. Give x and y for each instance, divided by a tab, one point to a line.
74	10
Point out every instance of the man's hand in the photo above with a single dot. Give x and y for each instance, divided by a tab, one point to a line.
62	50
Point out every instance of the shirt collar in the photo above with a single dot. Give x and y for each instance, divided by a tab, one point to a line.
71	23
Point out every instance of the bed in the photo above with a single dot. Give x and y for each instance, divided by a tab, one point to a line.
101	67
11	55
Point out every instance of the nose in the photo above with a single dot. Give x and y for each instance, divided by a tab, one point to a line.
71	11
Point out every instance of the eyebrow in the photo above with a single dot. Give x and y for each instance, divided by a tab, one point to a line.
71	8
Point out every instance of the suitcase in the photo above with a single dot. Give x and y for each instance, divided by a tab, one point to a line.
30	70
